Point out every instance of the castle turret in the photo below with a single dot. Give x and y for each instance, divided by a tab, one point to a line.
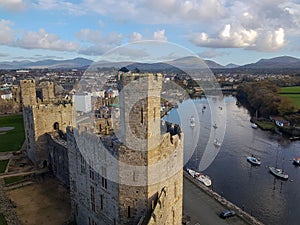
28	92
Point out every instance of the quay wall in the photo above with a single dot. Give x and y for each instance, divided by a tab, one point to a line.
242	214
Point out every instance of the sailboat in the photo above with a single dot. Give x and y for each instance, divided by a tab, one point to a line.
277	171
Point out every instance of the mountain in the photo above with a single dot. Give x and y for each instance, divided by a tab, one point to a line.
281	62
231	65
50	63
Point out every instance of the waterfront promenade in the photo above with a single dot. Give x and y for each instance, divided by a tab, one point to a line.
202	206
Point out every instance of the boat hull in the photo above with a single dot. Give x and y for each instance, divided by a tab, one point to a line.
253	160
204	179
278	173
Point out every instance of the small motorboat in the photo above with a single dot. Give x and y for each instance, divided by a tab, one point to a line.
253	160
278	173
296	161
217	143
192	122
253	125
294	138
215	126
204	179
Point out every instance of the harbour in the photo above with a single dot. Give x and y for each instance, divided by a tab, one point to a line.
254	189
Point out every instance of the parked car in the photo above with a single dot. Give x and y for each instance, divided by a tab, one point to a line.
227	213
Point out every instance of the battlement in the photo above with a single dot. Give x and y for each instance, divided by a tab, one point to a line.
141	80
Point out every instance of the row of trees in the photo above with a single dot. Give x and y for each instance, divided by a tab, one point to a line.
264	99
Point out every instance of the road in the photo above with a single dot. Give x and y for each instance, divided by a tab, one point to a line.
203	209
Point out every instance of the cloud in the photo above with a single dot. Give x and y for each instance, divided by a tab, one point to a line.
160	35
72	8
13	5
44	40
96	42
212	53
238	37
270	41
135	36
6	33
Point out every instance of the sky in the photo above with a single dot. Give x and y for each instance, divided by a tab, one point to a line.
225	31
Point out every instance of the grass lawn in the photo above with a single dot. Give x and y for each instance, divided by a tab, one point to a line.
3	165
2	220
289	90
266	125
12	140
295	98
10	180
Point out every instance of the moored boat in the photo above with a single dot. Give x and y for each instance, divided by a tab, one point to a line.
294	138
296	161
217	143
278	173
253	125
192	121
200	177
253	160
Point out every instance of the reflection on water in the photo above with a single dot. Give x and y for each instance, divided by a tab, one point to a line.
272	201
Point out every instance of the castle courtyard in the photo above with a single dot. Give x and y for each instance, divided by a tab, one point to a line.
44	203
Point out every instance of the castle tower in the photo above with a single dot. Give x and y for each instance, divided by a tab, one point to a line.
136	179
48	91
28	92
153	190
40	118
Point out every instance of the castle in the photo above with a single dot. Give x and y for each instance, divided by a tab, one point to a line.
120	170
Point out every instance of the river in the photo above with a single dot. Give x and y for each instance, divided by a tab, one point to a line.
254	189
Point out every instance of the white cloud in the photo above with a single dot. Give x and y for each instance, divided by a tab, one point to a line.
14	5
135	36
160	35
6	33
44	40
228	38
239	37
270	40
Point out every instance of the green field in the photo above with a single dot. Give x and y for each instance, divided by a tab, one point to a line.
2	220
293	93
3	165
12	140
10	180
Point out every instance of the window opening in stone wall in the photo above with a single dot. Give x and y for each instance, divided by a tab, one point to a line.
101	202
142	116
128	212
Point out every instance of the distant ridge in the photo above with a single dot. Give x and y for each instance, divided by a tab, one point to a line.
282	62
49	63
191	62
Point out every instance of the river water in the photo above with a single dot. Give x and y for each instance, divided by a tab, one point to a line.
254	189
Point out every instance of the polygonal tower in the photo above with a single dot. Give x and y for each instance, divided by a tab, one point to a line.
150	170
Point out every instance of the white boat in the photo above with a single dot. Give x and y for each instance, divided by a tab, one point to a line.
253	160
204	179
217	143
296	161
253	125
278	173
192	121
